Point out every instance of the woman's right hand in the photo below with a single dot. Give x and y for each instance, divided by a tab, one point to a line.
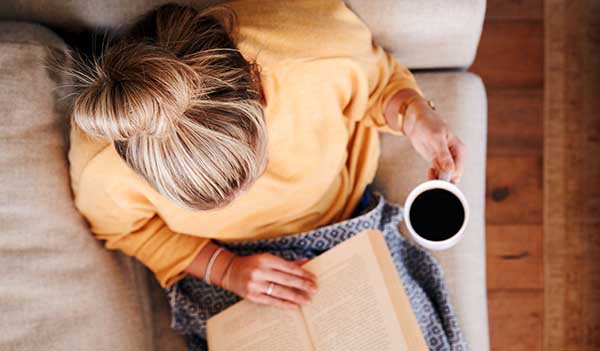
250	276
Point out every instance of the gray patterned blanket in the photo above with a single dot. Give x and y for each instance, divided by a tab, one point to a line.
193	301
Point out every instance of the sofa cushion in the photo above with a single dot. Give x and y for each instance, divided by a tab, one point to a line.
425	34
461	100
422	34
61	290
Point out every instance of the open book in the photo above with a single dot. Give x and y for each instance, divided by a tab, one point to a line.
360	304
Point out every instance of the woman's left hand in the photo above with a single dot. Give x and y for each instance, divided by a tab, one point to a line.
434	141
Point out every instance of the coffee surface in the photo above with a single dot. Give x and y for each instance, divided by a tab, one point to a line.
436	214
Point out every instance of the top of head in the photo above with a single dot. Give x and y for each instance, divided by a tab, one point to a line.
170	60
173	93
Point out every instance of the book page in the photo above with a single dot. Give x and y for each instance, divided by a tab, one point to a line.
402	307
352	308
247	326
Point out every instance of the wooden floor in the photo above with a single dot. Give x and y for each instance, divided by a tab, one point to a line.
510	61
572	175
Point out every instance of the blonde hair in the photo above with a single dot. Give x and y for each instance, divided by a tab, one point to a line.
180	103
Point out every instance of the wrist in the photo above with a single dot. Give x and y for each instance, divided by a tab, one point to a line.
412	113
225	282
199	265
398	106
222	264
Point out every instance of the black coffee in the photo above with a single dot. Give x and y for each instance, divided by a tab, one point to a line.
436	214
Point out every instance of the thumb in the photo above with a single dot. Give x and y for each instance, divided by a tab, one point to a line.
444	160
301	261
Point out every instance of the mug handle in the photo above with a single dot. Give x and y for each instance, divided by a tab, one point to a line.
445	175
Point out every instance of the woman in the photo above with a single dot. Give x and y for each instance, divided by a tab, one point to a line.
199	128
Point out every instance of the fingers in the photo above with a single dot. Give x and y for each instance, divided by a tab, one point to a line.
288	294
270	300
458	150
290	267
301	261
251	276
432	174
449	157
287	288
286	279
444	159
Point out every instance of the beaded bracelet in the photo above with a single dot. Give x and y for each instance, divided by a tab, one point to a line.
211	262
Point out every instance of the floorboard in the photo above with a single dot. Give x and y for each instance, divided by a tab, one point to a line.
520	315
514	257
515	9
514	121
510	60
514	190
510	54
572	176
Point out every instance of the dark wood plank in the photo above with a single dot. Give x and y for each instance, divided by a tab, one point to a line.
572	176
514	190
515	9
510	54
510	62
515	121
516	320
514	256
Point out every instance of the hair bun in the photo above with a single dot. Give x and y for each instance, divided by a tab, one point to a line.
134	89
176	73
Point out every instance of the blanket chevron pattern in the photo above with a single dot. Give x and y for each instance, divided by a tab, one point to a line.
192	301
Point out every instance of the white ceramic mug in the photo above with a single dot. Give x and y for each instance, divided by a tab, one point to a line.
442	183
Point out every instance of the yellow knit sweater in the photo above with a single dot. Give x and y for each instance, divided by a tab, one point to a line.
326	85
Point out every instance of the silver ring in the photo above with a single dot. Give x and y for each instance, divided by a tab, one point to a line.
270	289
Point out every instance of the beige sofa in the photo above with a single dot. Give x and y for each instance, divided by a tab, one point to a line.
61	290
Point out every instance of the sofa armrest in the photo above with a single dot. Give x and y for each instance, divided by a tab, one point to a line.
461	99
425	34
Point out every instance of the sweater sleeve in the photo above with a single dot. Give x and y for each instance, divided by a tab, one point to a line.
166	253
392	77
127	221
